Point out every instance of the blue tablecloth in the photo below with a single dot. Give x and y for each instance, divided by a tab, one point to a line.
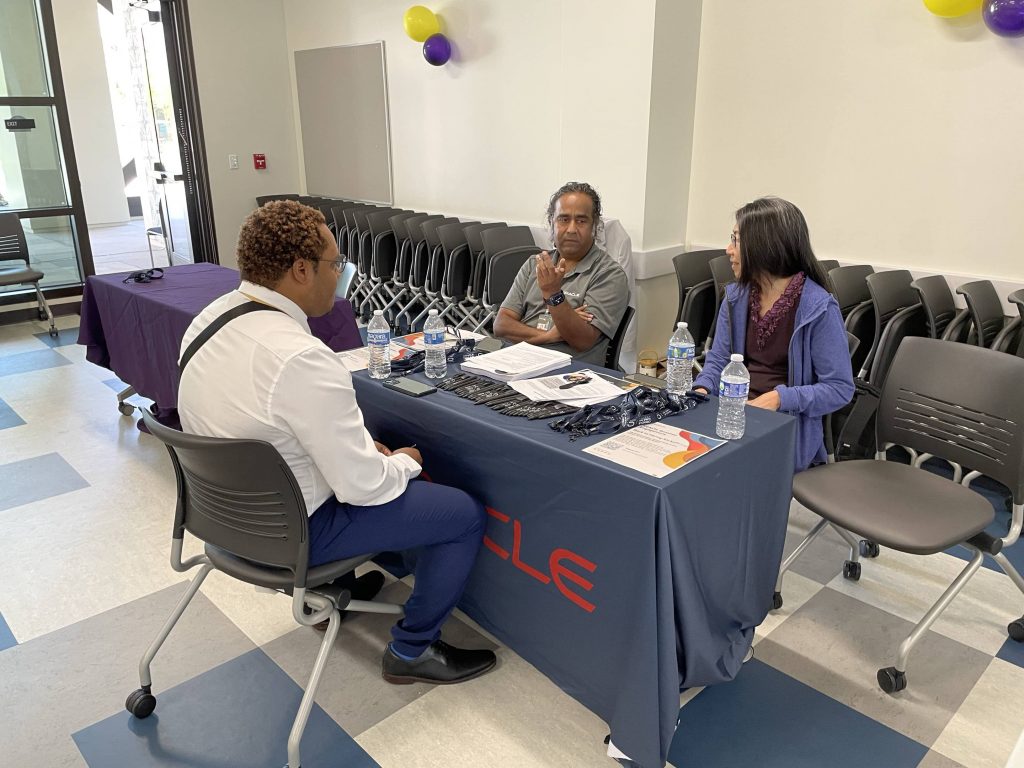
620	587
135	329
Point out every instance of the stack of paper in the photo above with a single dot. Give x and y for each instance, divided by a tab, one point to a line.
520	361
578	388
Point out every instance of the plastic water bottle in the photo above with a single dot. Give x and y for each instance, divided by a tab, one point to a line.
378	339
680	360
433	341
733	388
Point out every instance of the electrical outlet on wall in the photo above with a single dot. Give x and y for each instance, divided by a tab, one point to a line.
232	162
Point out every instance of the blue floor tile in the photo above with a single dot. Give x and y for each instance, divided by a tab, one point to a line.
1012	651
65	337
239	713
24	362
35	479
768	719
115	384
7	639
8	418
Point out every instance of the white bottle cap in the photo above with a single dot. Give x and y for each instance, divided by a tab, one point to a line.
681	325
432	313
378	312
736	358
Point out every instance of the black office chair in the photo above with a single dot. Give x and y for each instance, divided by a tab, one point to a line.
911	510
945	321
502	269
721	275
989	322
692	268
473	303
242	500
828	265
1017	298
14	248
850	287
890	292
611	357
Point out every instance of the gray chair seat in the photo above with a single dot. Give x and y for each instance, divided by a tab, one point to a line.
934	513
19	275
278	578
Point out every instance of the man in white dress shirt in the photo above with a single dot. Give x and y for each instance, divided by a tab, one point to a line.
264	376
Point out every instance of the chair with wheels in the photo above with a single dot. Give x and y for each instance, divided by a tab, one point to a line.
989	322
611	358
908	509
945	321
14	248
241	499
890	292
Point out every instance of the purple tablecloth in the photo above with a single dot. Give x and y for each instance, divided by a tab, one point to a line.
135	329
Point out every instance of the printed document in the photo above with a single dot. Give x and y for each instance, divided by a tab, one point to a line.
656	449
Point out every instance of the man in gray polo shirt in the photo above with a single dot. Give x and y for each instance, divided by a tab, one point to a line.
575	300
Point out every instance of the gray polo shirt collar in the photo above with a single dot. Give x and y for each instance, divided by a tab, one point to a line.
585	264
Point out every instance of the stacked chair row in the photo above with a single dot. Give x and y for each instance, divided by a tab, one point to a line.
406	263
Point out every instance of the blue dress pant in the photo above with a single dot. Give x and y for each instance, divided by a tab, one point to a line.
441	526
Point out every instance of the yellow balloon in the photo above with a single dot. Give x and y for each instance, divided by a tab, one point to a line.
949	9
421	23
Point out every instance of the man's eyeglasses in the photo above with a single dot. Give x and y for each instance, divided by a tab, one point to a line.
734	238
338	264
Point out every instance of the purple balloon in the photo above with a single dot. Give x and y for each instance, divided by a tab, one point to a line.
437	50
1004	17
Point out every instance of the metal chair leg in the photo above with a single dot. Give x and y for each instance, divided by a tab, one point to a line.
793	556
147	658
309	696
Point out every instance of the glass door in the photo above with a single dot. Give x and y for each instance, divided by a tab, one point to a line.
38	173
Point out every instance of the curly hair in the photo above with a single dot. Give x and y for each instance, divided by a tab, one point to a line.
274	236
575	187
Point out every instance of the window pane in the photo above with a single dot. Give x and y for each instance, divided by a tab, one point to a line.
31	169
22	63
51	250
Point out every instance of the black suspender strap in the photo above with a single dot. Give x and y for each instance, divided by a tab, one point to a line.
216	325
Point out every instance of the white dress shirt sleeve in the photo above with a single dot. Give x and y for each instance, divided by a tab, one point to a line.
315	398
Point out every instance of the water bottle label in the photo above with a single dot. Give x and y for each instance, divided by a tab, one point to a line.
382	338
433	337
680	352
733	389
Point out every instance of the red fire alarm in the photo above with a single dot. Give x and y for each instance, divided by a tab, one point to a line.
259	162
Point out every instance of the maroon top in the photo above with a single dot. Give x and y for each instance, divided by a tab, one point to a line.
767	353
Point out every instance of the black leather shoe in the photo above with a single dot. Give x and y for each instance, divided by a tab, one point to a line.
365	587
440	664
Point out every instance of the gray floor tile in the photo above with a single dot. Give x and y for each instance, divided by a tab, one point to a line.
8	418
60	683
935	760
835	644
352	691
24	362
825	557
35	479
65	337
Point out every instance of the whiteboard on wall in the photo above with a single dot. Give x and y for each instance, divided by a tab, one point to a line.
343	114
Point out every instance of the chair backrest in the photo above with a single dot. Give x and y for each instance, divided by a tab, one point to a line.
239	496
828	264
890	292
925	408
13	246
502	269
429	229
986	310
348	273
722	274
379	222
474	234
937	300
698	312
691	269
910	321
611	356
850	286
498	239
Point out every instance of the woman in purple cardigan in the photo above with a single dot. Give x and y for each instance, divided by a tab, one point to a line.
782	318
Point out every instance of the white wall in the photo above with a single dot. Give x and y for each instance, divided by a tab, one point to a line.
538	92
92	120
896	132
245	93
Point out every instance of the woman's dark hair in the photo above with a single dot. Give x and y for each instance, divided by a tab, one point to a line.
774	240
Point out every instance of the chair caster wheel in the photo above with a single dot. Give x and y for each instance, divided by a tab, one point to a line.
891	680
851	570
868	548
776	601
140	703
1015	629
54	334
126	409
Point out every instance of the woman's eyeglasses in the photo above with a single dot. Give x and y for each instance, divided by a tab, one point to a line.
734	238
